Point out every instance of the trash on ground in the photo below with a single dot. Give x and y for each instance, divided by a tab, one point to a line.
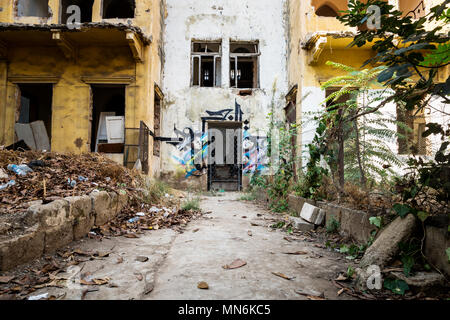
235	264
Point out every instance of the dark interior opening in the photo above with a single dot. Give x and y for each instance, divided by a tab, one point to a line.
35	8
157	126
207	72
326	11
245	73
36	104
105	98
85	6
121	9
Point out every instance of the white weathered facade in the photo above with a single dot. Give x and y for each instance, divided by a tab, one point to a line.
263	22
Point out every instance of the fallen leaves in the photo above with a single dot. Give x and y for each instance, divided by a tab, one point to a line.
6	279
203	285
142	259
94	282
282	275
311	294
235	264
249	233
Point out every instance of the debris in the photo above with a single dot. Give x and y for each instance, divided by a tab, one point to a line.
142	259
139	276
6	279
296	253
36	163
341	277
340	292
249	233
140	214
3	174
310	293
7	185
195	230
133	220
119	260
21	170
301	224
203	285
148	288
235	264
312	214
82	179
39	297
98	282
282	275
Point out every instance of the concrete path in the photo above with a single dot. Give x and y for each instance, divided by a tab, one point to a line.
177	262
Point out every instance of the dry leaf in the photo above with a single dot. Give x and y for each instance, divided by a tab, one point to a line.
131	235
296	253
195	230
340	292
142	259
250	233
6	279
341	277
315	298
282	275
202	285
235	264
119	260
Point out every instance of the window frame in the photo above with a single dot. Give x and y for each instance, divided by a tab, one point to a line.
254	55
217	56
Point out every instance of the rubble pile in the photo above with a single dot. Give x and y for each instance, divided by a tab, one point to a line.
53	176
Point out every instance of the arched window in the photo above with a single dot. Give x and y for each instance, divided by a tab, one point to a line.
326	11
121	9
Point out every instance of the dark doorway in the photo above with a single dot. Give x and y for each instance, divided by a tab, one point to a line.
121	9
36	104
105	98
85	6
225	138
157	126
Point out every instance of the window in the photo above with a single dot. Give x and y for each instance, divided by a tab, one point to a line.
410	128
244	65
121	9
85	7
33	8
206	64
328	8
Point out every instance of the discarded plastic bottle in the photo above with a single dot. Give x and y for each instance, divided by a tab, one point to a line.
7	185
17	170
133	220
82	179
71	183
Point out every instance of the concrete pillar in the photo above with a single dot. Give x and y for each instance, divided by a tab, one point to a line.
225	63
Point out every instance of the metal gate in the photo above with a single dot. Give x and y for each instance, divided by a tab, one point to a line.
136	146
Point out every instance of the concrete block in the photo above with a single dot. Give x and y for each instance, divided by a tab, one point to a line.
57	237
312	214
101	202
356	224
300	224
21	248
436	242
80	210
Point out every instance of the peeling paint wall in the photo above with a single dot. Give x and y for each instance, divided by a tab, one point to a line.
224	20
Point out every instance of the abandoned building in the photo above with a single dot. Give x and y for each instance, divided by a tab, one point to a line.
157	80
106	73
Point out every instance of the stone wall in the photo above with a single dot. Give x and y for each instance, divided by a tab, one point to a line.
44	228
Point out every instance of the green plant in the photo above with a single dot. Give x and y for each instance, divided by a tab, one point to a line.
248	197
350	271
278	225
191	204
376	221
448	254
332	225
396	285
156	190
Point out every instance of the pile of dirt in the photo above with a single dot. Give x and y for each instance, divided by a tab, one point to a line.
56	176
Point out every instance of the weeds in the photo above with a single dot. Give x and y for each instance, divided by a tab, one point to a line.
191	204
332	225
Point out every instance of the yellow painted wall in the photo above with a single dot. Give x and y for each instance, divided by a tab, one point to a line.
71	107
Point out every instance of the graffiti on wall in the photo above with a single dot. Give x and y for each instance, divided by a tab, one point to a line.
191	146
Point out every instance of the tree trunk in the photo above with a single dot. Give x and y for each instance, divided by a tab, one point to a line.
358	155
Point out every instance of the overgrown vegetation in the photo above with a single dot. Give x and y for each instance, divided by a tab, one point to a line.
192	203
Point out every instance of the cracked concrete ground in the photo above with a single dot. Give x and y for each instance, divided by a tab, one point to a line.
177	262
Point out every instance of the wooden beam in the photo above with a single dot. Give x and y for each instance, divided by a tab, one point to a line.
68	49
136	46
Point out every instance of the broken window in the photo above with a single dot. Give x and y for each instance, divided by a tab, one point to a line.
244	65
84	5
410	128
412	8
157	126
108	109
206	64
121	9
33	8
